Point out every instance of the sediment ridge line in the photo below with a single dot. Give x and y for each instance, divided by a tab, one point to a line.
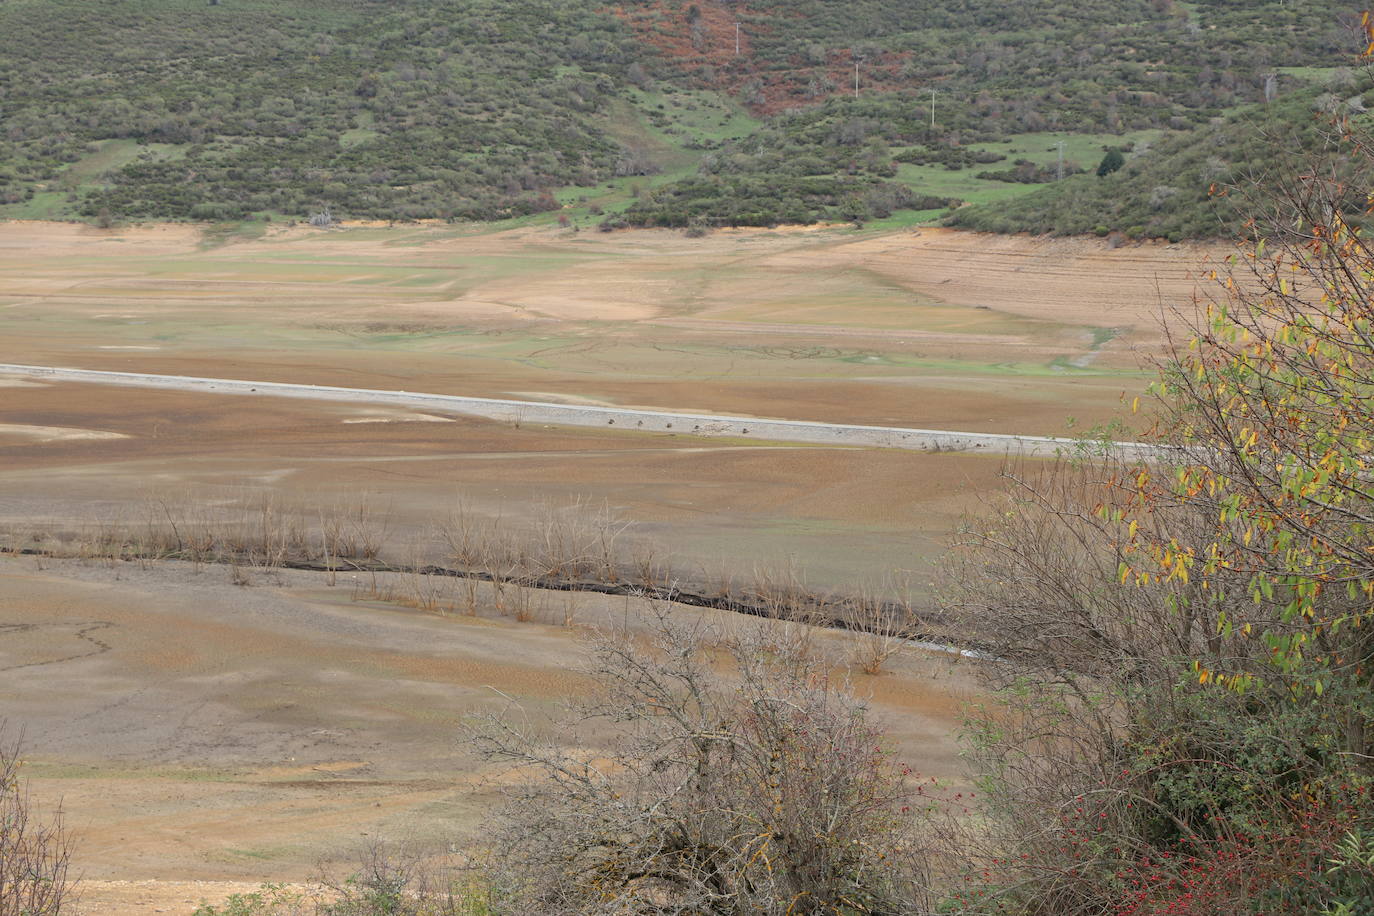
830	613
658	421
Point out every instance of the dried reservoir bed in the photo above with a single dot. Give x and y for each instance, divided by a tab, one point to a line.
199	730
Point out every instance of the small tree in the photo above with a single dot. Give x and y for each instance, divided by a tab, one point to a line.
764	792
1110	162
1270	410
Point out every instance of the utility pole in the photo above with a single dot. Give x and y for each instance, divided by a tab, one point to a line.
1060	173
856	77
737	39
932	109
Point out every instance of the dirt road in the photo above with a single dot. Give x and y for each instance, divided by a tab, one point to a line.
512	411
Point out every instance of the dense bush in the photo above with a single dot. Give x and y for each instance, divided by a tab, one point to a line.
1027	172
1118	780
760	201
403	110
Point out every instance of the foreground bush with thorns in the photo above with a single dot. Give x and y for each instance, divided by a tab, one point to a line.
741	779
34	852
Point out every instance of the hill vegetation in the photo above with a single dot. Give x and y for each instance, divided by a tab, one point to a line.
646	112
1196	184
1088	66
412	110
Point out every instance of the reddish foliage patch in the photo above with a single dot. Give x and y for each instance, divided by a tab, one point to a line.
702	45
704	40
1281	860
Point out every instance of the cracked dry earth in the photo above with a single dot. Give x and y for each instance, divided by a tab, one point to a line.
202	737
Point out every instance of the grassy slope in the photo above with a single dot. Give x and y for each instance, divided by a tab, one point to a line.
1092	75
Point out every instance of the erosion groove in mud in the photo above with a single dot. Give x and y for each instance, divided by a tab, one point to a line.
835	613
83	633
614	418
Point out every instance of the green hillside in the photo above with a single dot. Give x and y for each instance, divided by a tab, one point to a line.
1198	183
638	113
378	110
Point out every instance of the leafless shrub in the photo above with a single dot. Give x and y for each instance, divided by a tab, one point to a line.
569	609
34	853
386	879
368	530
470	588
576	541
562	541
884	626
426	588
1039	584
502	568
464	563
762	791
608	528
651	569
463	535
521	603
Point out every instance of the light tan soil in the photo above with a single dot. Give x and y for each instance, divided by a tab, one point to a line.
195	730
841	514
144	898
931	329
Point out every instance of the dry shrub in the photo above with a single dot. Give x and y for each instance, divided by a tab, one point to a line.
398	880
761	790
387	879
35	853
884	625
464	563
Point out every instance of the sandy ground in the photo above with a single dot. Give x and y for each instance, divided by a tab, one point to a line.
205	736
931	329
840	514
200	731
